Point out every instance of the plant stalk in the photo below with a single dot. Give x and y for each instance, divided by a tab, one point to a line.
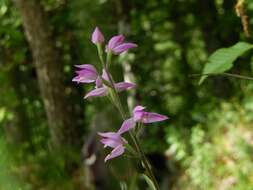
224	74
119	106
137	146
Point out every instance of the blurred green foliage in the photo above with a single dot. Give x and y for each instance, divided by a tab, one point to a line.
208	141
220	156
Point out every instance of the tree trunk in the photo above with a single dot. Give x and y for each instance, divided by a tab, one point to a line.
64	131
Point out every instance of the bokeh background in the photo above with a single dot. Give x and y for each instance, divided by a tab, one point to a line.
48	132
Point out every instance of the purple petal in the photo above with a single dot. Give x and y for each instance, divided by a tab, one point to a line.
138	108
123	47
84	77
76	79
97	36
124	86
115	41
80	79
150	117
109	135
98	92
99	82
111	139
87	67
138	115
113	143
126	126
87	74
115	152
105	75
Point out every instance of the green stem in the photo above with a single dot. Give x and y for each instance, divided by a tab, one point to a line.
100	54
140	152
119	106
144	160
113	93
224	74
136	141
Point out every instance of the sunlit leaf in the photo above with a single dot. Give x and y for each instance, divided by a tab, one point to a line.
222	59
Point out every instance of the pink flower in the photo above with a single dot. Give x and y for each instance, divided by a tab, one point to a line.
115	141
117	45
97	36
139	115
86	74
102	90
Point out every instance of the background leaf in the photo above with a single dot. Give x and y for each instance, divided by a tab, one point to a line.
222	59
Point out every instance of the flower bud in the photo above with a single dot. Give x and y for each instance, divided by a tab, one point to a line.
97	36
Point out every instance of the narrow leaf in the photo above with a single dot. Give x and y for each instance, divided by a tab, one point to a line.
149	182
123	185
222	59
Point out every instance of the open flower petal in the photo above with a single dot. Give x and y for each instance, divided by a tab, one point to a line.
127	125
139	115
87	66
119	150
115	41
124	86
110	142
99	82
117	45
123	47
86	74
139	108
109	135
105	75
150	117
98	92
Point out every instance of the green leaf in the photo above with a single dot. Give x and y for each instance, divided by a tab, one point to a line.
149	182
222	59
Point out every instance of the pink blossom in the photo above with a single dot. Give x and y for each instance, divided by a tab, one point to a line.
117	45
86	74
139	115
97	37
102	90
115	141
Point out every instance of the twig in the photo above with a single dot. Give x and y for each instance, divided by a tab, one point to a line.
224	74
